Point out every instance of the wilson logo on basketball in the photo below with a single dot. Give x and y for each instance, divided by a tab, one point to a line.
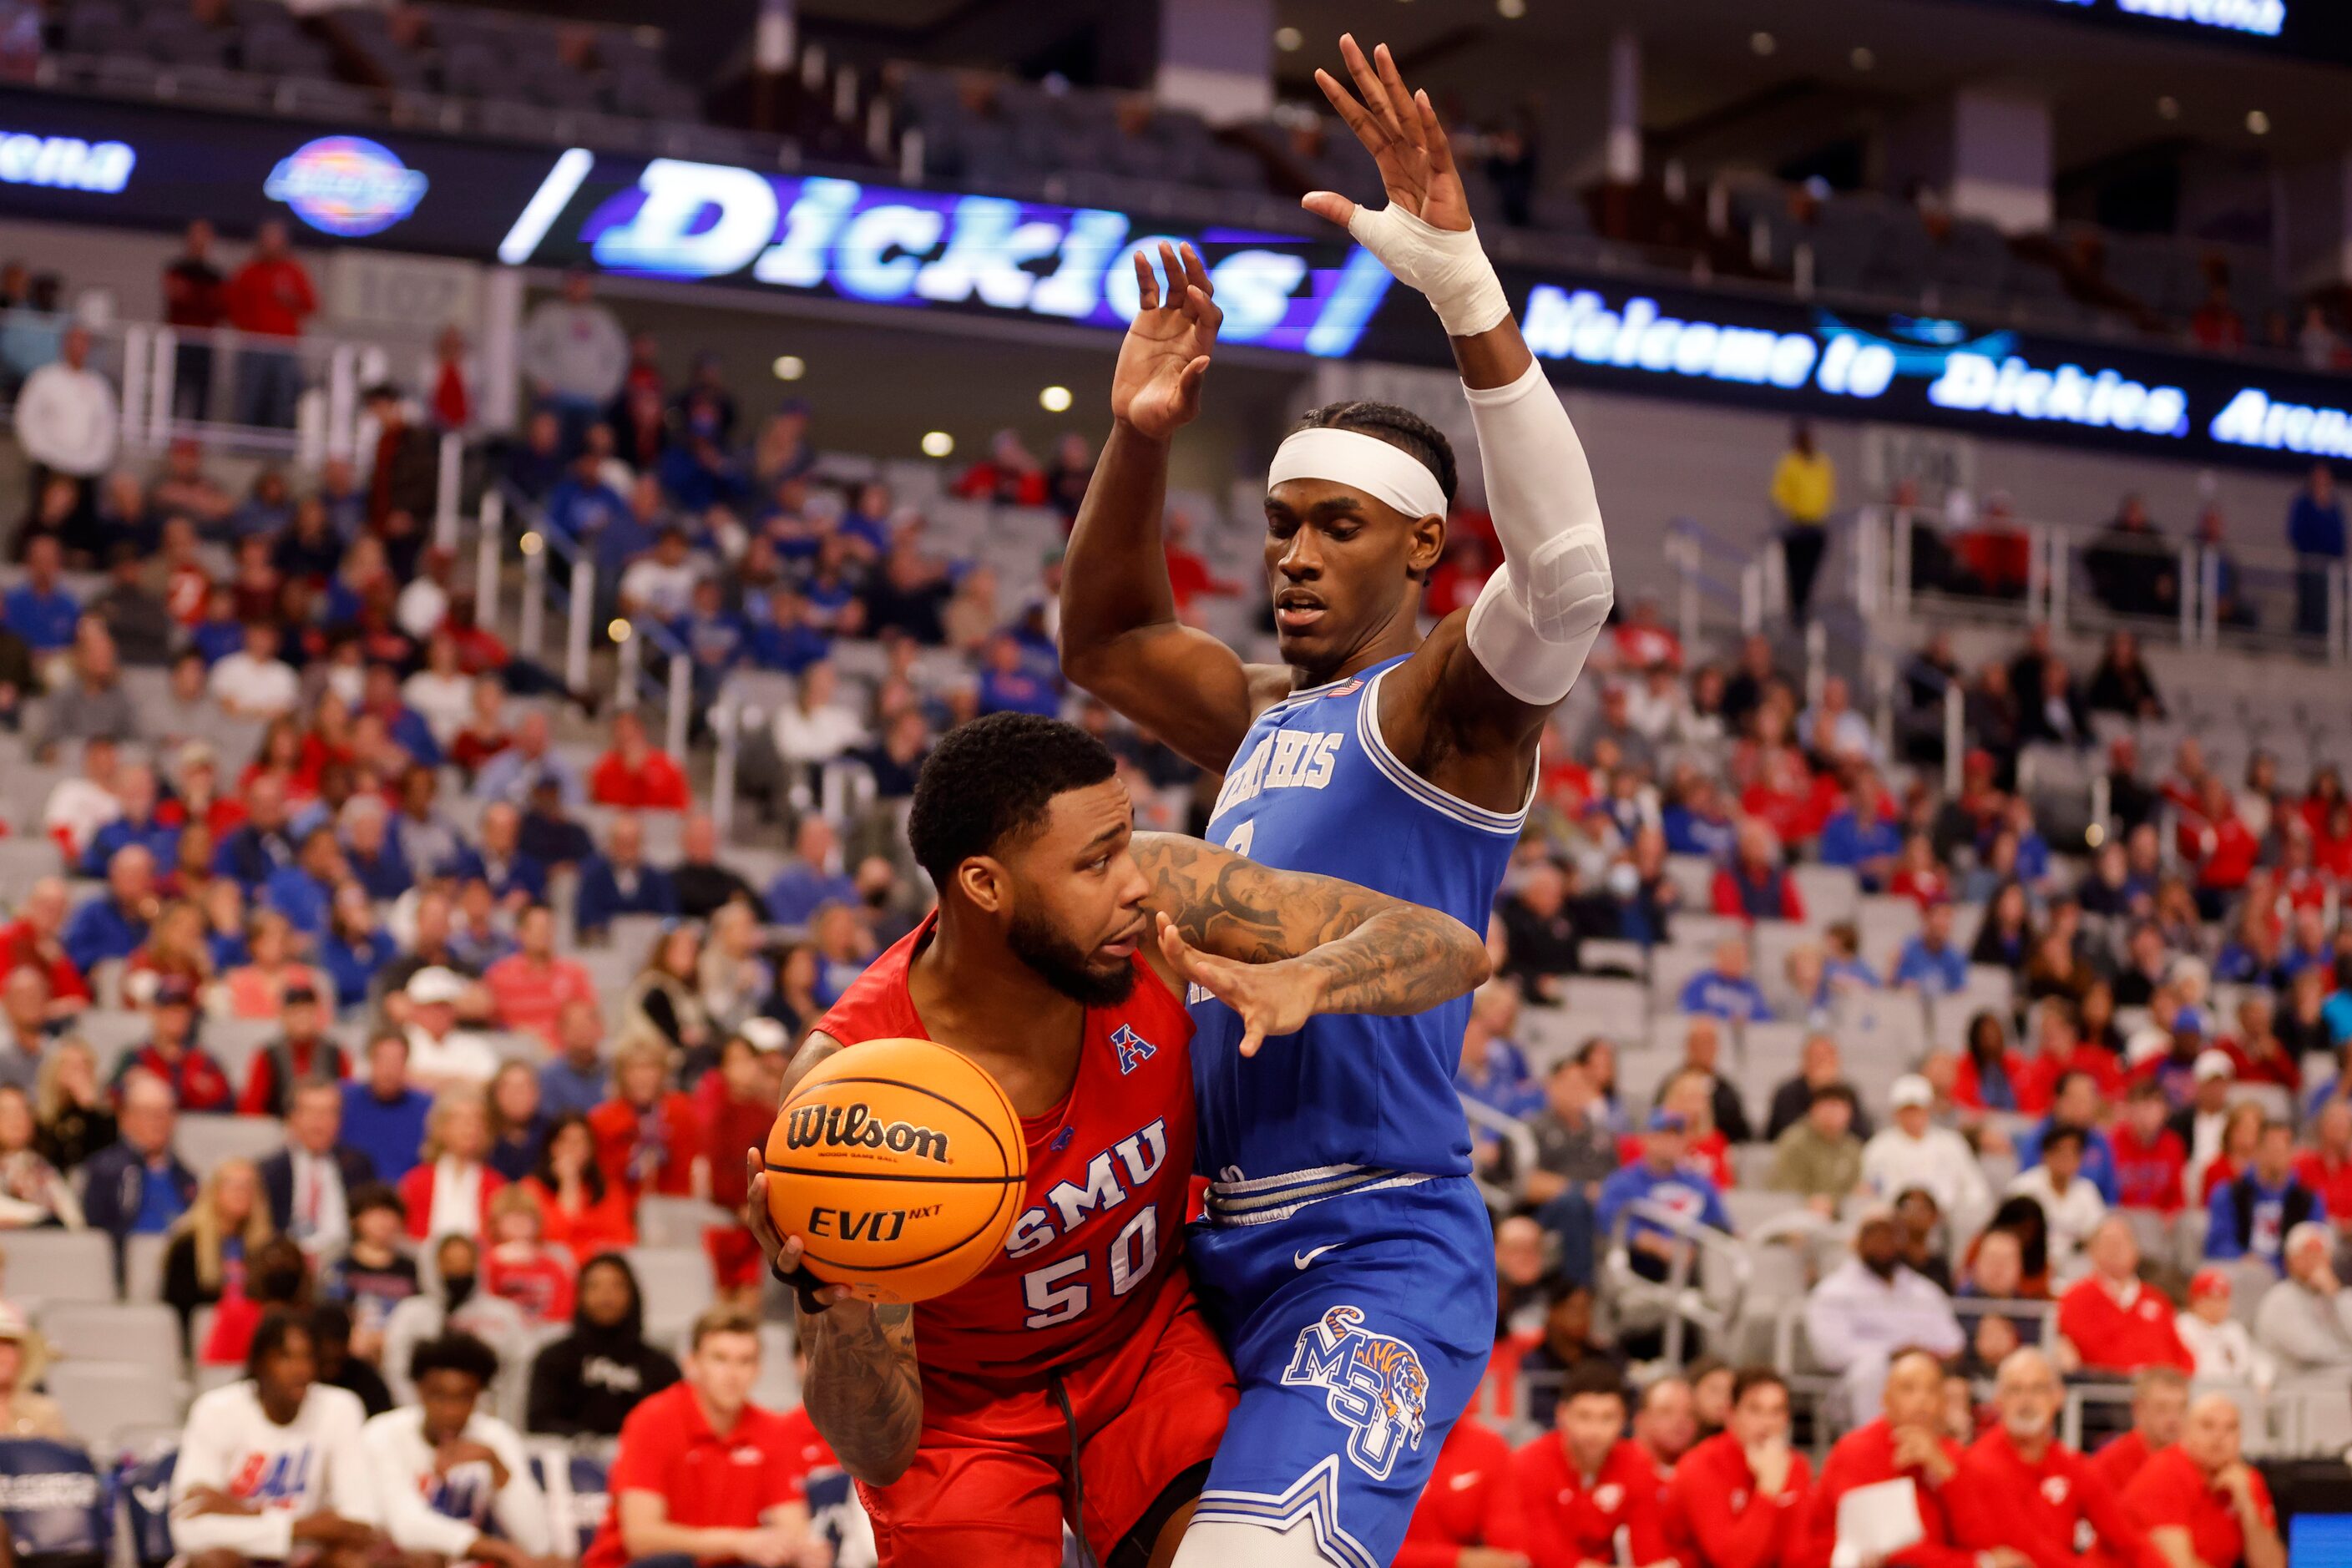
854	1127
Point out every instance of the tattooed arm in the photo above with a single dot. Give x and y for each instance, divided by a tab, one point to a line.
864	1391
1281	946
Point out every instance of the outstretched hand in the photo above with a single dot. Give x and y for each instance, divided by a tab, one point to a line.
1156	388
783	1252
1400	129
1275	998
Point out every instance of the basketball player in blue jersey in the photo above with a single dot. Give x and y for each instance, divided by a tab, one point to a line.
1346	1254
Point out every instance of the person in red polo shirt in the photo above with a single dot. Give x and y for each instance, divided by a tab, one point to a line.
705	1476
2019	1486
2159	1402
2113	1319
1587	1482
2326	1168
1903	1444
531	986
637	772
1469	1514
2200	1502
1737	1499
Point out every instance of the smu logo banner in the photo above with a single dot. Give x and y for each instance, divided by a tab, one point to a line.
346	186
1374	1384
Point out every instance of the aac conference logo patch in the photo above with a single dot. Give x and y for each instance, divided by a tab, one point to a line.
346	186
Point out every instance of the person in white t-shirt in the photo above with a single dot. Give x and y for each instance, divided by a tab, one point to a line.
2071	1206
1913	1152
254	682
271	1468
439	1052
447	1470
2225	1351
661	583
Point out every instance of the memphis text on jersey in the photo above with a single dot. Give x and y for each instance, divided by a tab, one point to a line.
852	1126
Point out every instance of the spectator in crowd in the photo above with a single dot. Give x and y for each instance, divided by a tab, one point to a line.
1661	1176
309	1182
213	1244
448	1191
1931	962
1586	1488
2220	1345
1871	1308
2116	1323
2122	683
619	881
2201	1124
76	1118
1470	1505
703	882
33	1193
816	727
1914	1152
517	769
1663	1423
1703	1055
1541	935
1725	990
303	1056
1738	1497
1575	1152
2159	1404
194	302
517	1126
331	1329
137	1187
646	1133
68	421
373	1273
2315	532
2071	1205
2073	1102
574	355
1862	835
405	469
586	1384
2251	1215
1819	1158
637	773
115	926
2304	1321
1904	1442
1492	1070
383	1114
2199	1499
271	1469
2019	1490
531	985
452	1301
269	298
23	1412
439	1051
1755	884
455	1482
26	1027
2327	1166
665	1001
1804	492
2149	1159
1819	1065
520	1264
254	682
575	1080
581	1210
812	876
669	1497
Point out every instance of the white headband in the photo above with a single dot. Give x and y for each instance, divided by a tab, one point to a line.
1386	473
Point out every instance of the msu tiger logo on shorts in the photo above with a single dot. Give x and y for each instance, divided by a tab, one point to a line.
1373	1384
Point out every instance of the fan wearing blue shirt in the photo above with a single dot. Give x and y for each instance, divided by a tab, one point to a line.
808	882
1726	991
1930	963
1863	837
38	609
114	926
788	638
2075	1103
583	506
2250	1216
135	788
619	882
1659	1177
1492	1070
382	1117
305	891
1007	686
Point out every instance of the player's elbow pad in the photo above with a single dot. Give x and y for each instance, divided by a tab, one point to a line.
1534	641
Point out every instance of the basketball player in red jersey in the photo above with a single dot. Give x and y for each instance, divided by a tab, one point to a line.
1075	1377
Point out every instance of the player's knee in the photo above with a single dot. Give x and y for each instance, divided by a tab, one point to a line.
1219	1543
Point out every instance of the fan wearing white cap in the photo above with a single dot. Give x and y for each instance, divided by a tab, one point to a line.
1370	753
1911	1151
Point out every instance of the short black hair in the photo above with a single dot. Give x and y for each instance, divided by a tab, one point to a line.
1838	1091
1595	1376
993	779
1400	427
377	1195
270	1335
2062	1134
1757	1376
455	1352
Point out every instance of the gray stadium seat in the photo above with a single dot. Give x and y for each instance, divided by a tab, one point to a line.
678	1287
206	1143
102	1398
142	1335
60	1265
142	1267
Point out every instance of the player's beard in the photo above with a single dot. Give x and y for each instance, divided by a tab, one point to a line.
1062	965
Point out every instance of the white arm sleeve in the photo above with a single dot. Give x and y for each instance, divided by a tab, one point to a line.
1540	615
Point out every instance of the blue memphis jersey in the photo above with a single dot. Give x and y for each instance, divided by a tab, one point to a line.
1315	788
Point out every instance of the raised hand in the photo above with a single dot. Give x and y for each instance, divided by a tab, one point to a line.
1156	388
1400	129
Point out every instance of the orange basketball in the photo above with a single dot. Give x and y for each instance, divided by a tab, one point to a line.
900	1165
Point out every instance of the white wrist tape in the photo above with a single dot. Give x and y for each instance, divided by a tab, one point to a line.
1387	474
1448	266
1537	619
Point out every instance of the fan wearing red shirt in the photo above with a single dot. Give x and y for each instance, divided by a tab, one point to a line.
1904	1443
2114	1320
1583	1484
2159	1402
1737	1499
2150	1161
648	1138
531	986
2200	1498
635	773
33	939
1469	1514
704	1474
2022	1489
2326	1168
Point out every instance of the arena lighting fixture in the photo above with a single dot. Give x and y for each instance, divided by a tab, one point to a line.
2095	835
531	544
937	443
1511	10
1863	58
1288	40
620	631
2258	122
1762	43
790	367
1055	399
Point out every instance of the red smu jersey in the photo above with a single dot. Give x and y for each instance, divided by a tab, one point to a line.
1099	1233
